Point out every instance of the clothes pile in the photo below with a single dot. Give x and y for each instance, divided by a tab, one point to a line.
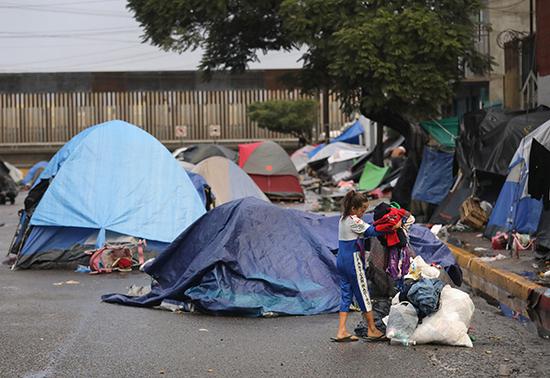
395	241
443	313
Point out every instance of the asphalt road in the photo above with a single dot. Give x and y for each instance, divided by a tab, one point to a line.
49	330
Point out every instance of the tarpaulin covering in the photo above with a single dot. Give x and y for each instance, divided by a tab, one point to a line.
31	174
198	152
249	257
300	157
116	177
444	131
372	176
246	257
351	134
489	138
435	176
200	185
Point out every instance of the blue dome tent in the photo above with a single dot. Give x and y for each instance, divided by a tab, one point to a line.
110	182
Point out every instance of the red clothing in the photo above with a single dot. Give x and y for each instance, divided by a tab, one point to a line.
388	222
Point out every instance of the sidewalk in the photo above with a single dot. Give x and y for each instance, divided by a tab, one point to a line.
504	280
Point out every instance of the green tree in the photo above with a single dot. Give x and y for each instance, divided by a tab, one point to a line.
394	60
295	117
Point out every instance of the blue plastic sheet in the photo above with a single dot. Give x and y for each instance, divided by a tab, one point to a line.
435	176
246	257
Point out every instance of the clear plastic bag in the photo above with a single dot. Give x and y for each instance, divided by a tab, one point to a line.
402	321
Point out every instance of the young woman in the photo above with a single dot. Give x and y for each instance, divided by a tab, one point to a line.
351	265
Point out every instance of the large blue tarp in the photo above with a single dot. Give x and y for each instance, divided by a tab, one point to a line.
351	135
117	177
435	176
249	257
246	257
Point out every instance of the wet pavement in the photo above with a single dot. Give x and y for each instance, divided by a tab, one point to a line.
50	328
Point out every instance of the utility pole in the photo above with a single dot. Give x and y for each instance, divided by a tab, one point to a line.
326	125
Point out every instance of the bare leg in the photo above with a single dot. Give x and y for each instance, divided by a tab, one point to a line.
372	330
342	331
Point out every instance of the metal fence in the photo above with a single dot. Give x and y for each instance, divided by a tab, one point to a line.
42	118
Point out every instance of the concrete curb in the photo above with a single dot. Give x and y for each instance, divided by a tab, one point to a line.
515	291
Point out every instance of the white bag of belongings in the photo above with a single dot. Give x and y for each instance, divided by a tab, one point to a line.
420	269
402	321
449	325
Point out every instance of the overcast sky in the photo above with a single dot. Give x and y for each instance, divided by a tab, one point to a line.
89	35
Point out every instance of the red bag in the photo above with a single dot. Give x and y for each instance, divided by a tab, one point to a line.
116	257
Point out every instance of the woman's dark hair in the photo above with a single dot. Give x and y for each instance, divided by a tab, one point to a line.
351	200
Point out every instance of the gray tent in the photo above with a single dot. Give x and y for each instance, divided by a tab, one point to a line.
227	180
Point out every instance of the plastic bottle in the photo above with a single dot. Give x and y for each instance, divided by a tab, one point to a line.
402	341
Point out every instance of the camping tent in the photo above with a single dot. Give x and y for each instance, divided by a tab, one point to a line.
300	157
352	134
111	181
372	176
247	257
227	180
203	189
198	152
270	167
516	209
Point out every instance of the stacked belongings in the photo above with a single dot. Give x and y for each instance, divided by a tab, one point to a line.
270	167
8	187
111	183
486	145
428	311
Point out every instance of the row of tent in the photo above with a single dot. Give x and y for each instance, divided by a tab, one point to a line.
496	156
84	197
116	183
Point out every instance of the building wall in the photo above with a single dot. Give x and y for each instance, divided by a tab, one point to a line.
503	15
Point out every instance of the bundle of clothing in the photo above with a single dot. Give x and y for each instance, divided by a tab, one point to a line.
395	240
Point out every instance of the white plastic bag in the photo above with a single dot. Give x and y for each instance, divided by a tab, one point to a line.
402	321
449	325
420	269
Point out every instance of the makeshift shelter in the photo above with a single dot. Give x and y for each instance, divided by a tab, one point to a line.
300	157
203	189
111	182
443	131
435	176
227	181
352	134
247	257
372	176
520	202
198	152
332	162
8	187
270	167
33	173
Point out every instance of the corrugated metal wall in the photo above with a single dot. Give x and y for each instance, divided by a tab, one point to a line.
42	118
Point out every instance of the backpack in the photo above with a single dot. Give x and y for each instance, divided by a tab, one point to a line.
116	257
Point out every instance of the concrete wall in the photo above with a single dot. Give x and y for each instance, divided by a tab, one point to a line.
503	15
544	90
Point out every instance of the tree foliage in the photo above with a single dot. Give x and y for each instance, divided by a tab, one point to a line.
388	58
295	117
